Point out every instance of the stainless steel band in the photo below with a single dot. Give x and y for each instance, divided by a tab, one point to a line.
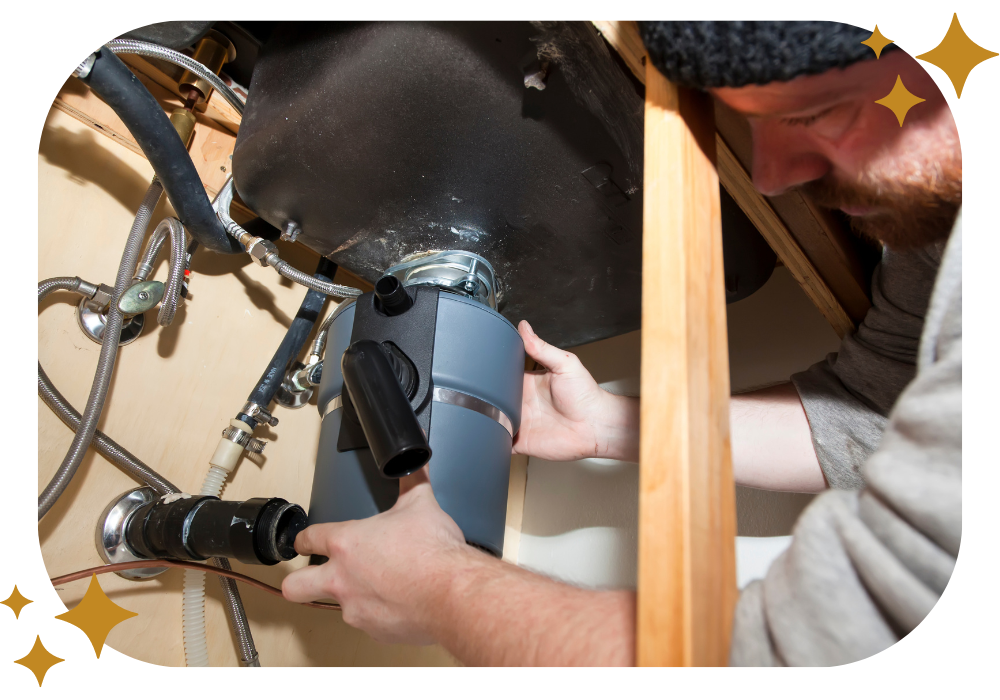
449	396
335	403
457	398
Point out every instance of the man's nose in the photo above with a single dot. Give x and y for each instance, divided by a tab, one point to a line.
783	159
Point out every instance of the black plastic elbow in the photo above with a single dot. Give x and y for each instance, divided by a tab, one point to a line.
258	531
397	442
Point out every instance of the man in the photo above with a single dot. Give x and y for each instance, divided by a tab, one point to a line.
880	421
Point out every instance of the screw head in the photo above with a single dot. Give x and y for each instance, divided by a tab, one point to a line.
144	296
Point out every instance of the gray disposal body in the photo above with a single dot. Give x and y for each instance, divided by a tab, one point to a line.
477	375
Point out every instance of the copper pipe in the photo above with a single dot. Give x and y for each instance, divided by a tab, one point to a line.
151	563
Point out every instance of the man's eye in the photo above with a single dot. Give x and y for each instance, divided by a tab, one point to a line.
807	121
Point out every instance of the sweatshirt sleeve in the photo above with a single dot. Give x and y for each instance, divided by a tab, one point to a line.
865	567
848	396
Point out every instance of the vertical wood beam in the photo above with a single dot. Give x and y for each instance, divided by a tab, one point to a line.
687	510
818	251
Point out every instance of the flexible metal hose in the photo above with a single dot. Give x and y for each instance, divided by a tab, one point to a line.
106	362
152	251
175	280
135	468
319	343
111	450
66	284
174	229
237	616
132	465
143	48
306	280
222	203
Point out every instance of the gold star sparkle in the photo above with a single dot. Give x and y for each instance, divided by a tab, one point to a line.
16	602
957	55
96	615
39	660
900	100
877	42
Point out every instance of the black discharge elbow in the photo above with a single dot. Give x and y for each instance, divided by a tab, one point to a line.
257	531
375	388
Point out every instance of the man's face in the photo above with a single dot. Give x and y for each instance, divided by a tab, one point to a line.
825	136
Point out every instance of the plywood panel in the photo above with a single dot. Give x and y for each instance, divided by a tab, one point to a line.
173	392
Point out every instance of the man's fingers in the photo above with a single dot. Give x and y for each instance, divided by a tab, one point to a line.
314	539
551	357
306	585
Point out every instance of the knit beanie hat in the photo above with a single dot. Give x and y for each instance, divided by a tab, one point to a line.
733	54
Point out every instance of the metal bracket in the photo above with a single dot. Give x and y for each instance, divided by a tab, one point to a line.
457	271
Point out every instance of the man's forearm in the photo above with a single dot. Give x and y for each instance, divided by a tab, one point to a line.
772	443
493	613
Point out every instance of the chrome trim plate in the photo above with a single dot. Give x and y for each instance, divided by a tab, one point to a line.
110	533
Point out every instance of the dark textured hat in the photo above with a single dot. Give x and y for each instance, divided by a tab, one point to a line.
733	54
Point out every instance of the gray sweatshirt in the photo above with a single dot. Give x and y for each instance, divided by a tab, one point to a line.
871	557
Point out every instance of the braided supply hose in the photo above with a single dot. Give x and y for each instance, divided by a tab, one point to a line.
222	203
144	48
106	361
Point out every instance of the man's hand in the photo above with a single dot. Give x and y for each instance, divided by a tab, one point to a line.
407	576
388	572
566	416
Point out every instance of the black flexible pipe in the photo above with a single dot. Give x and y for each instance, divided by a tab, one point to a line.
292	343
114	83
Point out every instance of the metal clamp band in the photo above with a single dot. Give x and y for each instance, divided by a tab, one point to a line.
457	398
244	440
335	403
240	437
449	396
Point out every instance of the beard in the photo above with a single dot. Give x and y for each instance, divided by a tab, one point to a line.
915	199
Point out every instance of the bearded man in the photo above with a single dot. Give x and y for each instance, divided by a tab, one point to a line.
877	426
